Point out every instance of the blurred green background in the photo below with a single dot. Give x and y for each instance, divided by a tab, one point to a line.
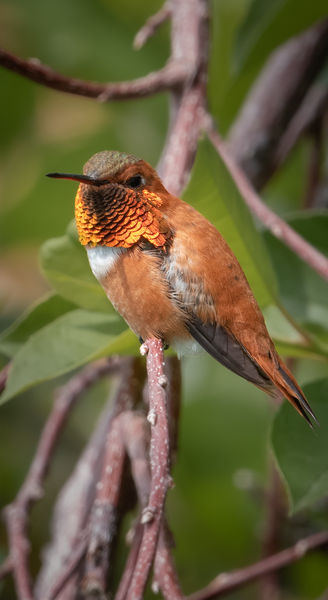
224	441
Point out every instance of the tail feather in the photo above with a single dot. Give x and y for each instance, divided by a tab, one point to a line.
287	385
295	395
265	370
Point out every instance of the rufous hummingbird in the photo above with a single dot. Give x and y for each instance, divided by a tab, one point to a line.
170	273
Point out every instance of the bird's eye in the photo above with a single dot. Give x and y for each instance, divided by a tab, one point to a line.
135	181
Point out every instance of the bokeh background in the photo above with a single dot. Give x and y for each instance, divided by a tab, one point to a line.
217	508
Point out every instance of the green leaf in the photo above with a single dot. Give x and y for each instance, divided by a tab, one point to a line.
65	344
37	316
65	265
269	24
303	292
313	226
301	452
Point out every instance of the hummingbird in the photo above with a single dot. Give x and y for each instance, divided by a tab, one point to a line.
171	275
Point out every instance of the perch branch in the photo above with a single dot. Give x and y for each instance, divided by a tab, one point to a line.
276	225
226	582
170	76
152	514
135	435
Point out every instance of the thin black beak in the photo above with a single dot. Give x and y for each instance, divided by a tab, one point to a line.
81	178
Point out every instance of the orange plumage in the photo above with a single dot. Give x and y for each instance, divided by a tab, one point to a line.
171	275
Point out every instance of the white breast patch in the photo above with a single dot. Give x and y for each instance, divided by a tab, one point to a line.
102	259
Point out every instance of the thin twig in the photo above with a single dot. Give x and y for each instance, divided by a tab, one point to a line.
16	521
165	575
151	25
167	78
159	460
226	582
276	225
130	564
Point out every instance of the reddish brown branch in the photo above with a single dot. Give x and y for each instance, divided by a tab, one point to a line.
167	78
165	575
226	582
135	433
276	225
152	24
159	459
64	402
16	519
130	564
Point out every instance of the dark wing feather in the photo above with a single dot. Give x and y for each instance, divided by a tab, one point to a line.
216	340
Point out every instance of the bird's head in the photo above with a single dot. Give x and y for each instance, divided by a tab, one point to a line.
119	202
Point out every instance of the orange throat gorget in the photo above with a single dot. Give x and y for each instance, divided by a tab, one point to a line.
122	221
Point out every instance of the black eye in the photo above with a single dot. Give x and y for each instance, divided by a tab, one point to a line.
135	181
